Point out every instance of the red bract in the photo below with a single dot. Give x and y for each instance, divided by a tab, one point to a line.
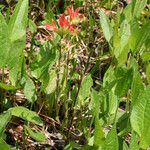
52	26
63	21
72	13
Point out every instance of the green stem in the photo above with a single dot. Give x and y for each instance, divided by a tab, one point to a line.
67	90
57	85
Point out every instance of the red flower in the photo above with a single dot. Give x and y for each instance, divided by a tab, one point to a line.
69	22
64	22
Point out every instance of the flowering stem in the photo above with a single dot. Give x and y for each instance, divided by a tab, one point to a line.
67	90
57	84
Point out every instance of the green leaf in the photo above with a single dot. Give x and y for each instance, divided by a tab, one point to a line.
113	101
124	80
26	114
125	33
139	35
122	52
17	30
109	82
146	56
38	136
111	141
32	26
135	34
98	133
106	27
18	21
109	76
140	118
138	6
123	123
3	145
30	90
125	146
86	85
5	118
137	87
7	86
52	83
4	42
95	103
134	142
121	48
45	60
127	11
148	73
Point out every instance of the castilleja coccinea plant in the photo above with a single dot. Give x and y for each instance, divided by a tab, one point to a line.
68	22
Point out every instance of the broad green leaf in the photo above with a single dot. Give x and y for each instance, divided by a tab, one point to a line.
127	11
125	146
38	136
95	103
85	87
137	87
26	114
3	145
120	42
125	33
109	82
140	118
138	6
135	34
17	30
52	83
123	123
146	56
111	141
113	101
124	80
123	50
30	90
45	60
98	133
139	35
4	42
134	142
18	21
106	26
148	73
143	36
7	86
109	76
5	118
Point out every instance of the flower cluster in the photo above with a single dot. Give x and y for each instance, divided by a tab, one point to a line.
69	22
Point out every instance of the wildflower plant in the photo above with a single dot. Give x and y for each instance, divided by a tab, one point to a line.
88	79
